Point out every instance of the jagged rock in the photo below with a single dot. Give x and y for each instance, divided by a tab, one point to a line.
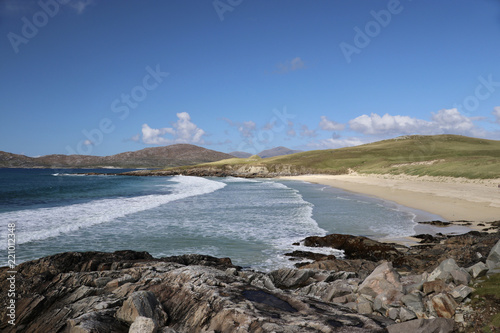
461	292
142	304
386	300
99	321
493	260
478	270
363	268
436	325
341	276
383	279
406	314
414	303
443	271
436	286
393	313
461	276
356	247
143	325
413	283
196	298
444	305
327	291
286	278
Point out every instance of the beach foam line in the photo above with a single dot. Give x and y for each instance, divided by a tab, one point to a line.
43	223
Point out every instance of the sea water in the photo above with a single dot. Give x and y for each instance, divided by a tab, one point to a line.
252	221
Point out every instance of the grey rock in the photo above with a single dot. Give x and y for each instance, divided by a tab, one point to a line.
364	306
461	292
286	278
386	300
436	325
142	304
414	303
493	260
478	270
381	280
327	291
98	321
443	271
143	325
393	313
461	276
406	314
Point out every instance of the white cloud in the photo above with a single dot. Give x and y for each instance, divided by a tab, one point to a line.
247	128
305	131
496	113
290	66
336	143
446	121
387	124
182	131
88	143
330	125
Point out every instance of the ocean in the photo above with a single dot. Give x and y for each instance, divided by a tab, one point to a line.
252	221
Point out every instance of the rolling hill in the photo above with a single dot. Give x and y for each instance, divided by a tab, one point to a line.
437	155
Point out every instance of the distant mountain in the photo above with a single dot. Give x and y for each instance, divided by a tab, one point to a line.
278	151
240	154
157	157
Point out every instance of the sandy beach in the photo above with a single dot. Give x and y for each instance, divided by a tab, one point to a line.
452	198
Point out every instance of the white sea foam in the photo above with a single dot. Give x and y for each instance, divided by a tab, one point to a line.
43	223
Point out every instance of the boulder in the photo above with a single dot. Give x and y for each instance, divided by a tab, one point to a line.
414	303
364	306
444	305
356	247
443	271
461	276
493	260
436	325
436	286
328	291
143	325
477	270
406	314
142	304
287	278
383	279
461	292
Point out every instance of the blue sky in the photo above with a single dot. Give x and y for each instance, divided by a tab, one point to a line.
103	77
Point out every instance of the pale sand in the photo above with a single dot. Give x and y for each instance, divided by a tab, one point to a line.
452	198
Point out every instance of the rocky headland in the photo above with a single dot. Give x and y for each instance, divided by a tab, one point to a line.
376	287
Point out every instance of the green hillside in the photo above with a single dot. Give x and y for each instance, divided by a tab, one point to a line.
439	155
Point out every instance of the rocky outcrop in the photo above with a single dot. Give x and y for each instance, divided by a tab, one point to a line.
356	247
131	292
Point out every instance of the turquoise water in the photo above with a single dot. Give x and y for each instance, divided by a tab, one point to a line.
252	221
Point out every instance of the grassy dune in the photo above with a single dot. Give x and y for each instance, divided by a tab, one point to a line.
438	155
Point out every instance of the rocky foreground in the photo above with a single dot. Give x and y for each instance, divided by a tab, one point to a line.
376	288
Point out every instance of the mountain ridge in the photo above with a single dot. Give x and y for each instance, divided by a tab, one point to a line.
152	157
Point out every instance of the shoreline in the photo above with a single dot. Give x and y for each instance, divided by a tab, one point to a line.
454	199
